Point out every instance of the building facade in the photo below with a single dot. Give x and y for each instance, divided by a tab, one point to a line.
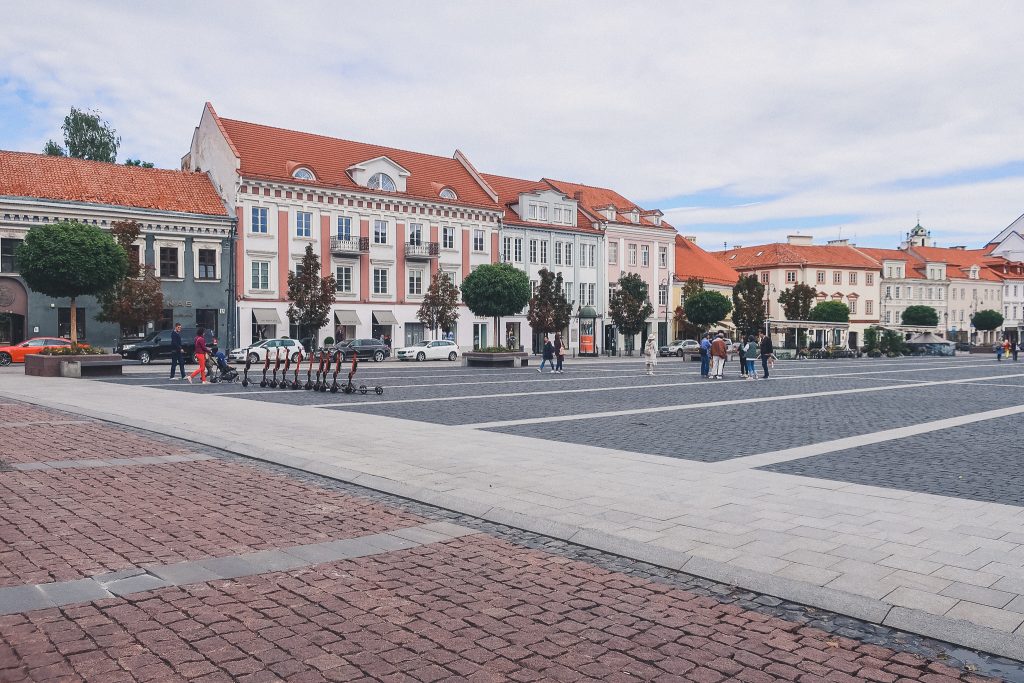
838	271
186	236
383	220
692	261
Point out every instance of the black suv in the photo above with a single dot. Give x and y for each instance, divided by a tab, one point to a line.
158	345
364	348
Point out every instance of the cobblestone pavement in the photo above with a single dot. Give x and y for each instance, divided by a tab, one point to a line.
495	605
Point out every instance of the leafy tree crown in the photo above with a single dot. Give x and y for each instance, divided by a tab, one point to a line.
797	301
310	296
629	306
86	136
923	316
987	319
748	305
707	308
69	259
496	289
550	308
440	306
831	312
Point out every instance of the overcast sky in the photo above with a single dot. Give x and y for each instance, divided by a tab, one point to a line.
744	122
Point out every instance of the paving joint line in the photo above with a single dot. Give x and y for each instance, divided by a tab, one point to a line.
93	463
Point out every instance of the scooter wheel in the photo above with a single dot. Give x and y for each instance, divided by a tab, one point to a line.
323	389
263	384
245	383
349	389
380	390
363	389
334	389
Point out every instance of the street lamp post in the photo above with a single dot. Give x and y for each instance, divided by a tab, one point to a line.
664	283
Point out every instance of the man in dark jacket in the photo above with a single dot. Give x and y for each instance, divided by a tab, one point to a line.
766	352
177	352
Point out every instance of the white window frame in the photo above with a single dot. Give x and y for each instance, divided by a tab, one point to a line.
479	240
379	290
264	220
533	251
345	234
197	245
415	283
180	248
304	224
632	255
517	244
568	253
378	233
339	272
645	255
544	252
448	237
257	284
415	234
663	257
613	253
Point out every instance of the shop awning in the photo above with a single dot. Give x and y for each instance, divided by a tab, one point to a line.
266	316
346	318
384	318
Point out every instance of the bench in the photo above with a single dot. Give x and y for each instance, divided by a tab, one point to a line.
511	359
93	368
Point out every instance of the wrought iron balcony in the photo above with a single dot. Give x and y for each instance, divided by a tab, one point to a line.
422	251
358	245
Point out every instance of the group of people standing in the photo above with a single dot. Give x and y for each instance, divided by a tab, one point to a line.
714	352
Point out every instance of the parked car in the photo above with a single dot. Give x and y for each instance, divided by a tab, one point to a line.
257	353
679	347
429	350
15	353
364	348
158	345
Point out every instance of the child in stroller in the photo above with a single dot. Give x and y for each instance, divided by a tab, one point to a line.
217	368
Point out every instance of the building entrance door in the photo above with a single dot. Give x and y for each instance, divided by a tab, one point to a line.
13	310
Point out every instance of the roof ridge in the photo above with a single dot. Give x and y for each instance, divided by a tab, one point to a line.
77	160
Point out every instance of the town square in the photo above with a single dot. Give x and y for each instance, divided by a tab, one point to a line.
505	355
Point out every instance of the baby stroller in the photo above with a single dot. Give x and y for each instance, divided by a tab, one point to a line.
218	369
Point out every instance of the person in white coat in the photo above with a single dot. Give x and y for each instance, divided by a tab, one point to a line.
650	356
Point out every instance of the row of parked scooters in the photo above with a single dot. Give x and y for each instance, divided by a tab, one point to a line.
328	360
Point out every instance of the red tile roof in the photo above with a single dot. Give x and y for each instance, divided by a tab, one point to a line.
508	191
692	261
915	266
592	198
783	254
959	261
272	153
23	174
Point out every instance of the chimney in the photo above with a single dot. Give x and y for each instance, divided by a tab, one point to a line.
691	238
577	195
839	243
800	240
959	247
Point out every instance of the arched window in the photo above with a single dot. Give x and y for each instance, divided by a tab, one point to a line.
382	181
303	174
448	193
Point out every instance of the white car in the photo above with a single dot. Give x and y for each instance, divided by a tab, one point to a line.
429	350
258	351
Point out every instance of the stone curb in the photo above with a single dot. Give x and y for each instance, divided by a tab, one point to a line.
954	631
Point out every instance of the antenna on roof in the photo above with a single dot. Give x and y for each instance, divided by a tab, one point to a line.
725	246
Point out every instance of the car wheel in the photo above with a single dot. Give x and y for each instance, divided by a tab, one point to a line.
144	357
254	358
421	356
679	353
296	357
5	359
453	356
378	356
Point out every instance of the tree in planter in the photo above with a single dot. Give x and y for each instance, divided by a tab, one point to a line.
871	342
748	305
685	327
920	316
987	320
495	290
440	306
69	259
831	312
86	137
134	301
797	300
629	306
550	309
704	309
891	344
310	296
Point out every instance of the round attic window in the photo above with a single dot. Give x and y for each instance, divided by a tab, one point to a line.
448	193
382	181
303	174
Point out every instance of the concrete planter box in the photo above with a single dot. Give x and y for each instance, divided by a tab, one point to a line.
49	366
506	359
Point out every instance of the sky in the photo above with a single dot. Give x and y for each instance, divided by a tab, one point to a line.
743	121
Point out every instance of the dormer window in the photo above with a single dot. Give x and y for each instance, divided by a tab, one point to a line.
381	181
448	193
303	174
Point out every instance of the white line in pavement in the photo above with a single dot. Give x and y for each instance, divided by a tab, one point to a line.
708	383
711	404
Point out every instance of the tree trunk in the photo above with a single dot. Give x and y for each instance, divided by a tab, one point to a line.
497	332
74	322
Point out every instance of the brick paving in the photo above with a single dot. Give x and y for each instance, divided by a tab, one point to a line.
37	442
492	606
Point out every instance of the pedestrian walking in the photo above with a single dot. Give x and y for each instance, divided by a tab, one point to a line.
999	352
177	351
547	355
742	352
201	352
1016	348
751	354
650	356
719	352
559	352
1006	347
767	354
705	356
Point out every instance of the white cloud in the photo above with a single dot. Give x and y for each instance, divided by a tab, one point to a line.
818	102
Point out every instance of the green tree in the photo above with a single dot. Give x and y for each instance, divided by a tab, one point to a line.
86	136
921	316
704	309
550	308
987	320
138	162
871	340
796	301
831	312
892	344
495	290
310	296
135	300
685	328
69	259
440	306
748	305
629	306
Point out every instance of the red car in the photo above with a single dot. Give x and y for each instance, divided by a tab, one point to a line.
17	352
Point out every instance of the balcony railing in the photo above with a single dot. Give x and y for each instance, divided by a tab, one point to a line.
422	250
358	245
